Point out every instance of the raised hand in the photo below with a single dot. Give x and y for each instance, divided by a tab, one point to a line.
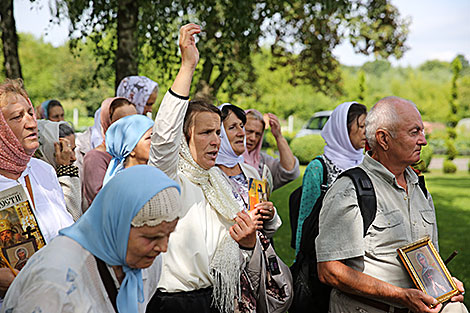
63	152
189	59
187	43
275	125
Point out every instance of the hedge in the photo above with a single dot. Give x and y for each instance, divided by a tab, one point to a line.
307	147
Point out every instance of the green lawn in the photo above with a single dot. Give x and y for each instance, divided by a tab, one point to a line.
451	194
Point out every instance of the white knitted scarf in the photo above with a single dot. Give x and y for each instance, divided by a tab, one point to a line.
224	266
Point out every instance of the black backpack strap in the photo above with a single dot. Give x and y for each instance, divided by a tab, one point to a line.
422	185
324	185
365	194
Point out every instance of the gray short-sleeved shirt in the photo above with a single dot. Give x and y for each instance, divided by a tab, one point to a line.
401	219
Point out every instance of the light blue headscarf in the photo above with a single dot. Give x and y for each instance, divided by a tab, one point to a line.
226	155
121	138
104	228
45	108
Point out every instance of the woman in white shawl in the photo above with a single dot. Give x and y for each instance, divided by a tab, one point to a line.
57	147
213	239
345	138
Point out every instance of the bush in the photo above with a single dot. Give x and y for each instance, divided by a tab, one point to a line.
451	150
426	156
307	147
449	167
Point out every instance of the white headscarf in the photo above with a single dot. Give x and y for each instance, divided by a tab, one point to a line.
339	148
96	137
137	89
227	156
48	134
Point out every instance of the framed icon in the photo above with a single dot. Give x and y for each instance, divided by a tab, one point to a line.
428	271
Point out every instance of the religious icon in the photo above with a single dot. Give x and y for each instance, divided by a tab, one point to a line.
428	271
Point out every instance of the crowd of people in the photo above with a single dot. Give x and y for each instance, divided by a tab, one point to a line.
154	216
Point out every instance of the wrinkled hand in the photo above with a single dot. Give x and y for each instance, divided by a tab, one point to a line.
256	218
459	297
63	152
6	278
187	43
419	302
265	209
275	125
244	231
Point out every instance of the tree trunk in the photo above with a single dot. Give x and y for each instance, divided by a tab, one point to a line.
127	60
11	62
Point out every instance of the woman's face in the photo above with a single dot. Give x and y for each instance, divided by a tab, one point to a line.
236	135
357	134
204	138
254	131
142	149
56	114
151	100
19	116
147	242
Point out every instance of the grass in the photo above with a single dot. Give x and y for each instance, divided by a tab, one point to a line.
452	202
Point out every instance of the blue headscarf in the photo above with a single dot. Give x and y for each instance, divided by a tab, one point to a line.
45	108
121	138
104	228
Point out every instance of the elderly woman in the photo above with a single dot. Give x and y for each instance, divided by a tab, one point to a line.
345	138
213	239
230	162
286	167
140	90
18	142
52	110
128	142
96	264
56	147
96	161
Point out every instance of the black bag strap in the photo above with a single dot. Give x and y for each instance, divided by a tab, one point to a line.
108	282
365	194
422	185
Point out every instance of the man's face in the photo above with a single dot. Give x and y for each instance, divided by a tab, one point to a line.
204	140
406	147
6	235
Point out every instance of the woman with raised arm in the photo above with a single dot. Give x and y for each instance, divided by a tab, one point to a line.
283	169
201	272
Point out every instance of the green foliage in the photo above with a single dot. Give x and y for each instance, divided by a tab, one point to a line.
232	31
426	156
451	150
449	167
307	147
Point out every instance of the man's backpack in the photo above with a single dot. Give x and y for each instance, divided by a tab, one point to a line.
310	295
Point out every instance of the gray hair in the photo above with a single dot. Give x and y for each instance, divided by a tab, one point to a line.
383	115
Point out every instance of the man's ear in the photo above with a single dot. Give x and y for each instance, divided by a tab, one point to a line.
382	137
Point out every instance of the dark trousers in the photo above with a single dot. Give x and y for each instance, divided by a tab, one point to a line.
180	302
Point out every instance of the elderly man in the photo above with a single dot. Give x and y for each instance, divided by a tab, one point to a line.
365	272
